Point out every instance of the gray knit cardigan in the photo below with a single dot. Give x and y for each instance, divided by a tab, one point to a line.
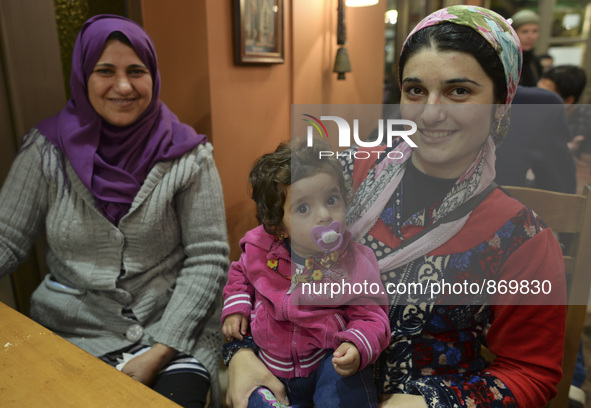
172	247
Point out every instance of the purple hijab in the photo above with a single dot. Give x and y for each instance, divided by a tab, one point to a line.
111	161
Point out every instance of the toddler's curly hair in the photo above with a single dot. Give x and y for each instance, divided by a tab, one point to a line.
274	172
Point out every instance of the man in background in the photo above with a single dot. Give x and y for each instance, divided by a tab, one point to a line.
526	24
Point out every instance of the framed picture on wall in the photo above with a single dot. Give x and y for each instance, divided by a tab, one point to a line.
258	31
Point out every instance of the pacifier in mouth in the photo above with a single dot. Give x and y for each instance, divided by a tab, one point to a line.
328	238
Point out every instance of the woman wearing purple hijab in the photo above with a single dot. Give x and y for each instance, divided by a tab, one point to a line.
132	204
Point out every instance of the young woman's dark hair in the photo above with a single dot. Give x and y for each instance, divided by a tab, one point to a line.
274	172
455	37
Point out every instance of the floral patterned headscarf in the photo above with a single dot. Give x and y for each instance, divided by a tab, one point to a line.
494	28
375	191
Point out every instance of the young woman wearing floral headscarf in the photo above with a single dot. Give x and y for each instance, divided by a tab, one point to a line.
458	70
132	204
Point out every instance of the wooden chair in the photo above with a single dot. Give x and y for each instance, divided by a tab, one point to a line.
567	214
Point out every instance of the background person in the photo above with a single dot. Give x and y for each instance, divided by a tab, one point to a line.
526	24
535	152
458	70
569	82
546	61
133	209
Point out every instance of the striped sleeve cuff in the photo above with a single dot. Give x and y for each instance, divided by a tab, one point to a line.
239	303
361	342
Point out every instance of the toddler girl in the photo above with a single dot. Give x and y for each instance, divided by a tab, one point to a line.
316	306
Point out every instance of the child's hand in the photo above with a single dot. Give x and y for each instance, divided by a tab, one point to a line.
235	326
346	359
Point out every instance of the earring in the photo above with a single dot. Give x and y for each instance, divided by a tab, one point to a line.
499	124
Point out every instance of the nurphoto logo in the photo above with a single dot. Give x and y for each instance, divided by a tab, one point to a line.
394	128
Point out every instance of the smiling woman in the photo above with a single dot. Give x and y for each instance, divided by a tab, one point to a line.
458	72
133	209
120	86
448	137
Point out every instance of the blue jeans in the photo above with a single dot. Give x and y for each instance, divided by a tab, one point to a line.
580	373
324	388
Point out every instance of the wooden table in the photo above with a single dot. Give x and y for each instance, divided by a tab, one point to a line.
40	369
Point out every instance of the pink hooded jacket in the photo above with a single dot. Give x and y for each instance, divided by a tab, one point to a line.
295	331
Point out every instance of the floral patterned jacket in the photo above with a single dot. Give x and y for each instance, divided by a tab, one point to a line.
435	345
